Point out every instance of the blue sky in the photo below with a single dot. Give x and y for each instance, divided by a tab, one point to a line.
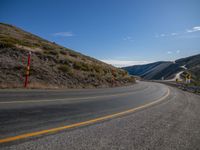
121	32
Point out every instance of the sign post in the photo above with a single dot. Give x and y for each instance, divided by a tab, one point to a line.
188	78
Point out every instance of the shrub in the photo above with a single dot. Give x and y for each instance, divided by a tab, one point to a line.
123	73
63	52
46	47
85	67
97	68
9	40
64	68
25	43
73	55
51	52
82	66
129	79
64	61
13	41
91	75
114	73
6	45
106	71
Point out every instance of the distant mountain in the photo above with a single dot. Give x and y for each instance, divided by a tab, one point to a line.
52	66
167	69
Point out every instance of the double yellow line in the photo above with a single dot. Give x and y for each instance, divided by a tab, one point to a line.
53	130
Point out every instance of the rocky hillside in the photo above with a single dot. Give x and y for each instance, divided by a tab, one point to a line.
168	69
52	66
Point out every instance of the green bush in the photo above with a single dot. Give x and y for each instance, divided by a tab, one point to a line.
85	67
106	71
13	41
64	68
82	66
65	61
51	52
114	73
25	43
73	55
46	47
9	40
97	68
123	73
63	52
6	45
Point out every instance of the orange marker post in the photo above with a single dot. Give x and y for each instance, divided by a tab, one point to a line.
27	70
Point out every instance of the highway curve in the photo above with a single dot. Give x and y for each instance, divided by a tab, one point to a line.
143	116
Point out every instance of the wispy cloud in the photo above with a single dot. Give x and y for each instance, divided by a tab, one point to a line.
128	38
183	34
174	34
163	35
123	63
169	52
64	34
166	34
157	36
178	51
194	29
189	36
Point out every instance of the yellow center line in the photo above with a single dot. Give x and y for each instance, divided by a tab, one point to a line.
65	99
48	131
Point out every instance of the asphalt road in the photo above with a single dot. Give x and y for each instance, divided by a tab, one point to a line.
143	116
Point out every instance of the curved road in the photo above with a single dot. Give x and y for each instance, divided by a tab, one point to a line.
143	116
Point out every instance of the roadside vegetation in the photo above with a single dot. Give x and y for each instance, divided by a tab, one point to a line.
52	66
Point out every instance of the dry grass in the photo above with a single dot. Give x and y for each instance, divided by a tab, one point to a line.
39	85
32	49
51	63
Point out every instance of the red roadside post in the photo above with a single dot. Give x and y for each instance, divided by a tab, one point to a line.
27	70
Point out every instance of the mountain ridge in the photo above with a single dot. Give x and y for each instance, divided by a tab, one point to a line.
168	69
